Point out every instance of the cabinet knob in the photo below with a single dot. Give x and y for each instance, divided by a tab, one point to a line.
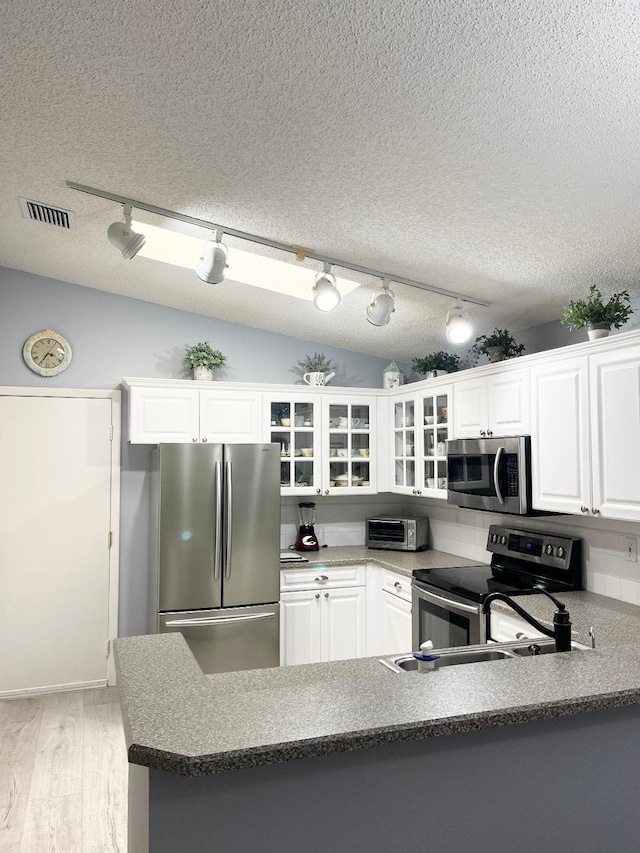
595	510
489	432
326	491
322	579
317	595
482	432
318	491
204	439
418	491
584	509
194	439
398	585
326	595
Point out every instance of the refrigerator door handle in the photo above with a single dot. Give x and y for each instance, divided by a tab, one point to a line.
217	555
229	512
220	620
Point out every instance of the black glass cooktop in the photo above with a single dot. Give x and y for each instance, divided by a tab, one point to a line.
476	582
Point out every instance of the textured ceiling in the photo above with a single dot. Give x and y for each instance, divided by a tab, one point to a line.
486	147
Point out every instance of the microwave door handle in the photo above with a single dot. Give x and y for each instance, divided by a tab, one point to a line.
446	602
496	469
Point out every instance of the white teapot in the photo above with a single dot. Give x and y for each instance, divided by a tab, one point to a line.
318	378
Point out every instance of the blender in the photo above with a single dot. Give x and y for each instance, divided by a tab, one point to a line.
307	540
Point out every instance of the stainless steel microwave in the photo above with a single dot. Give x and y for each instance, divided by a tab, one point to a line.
491	474
398	534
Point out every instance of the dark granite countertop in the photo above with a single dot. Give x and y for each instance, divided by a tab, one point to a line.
181	721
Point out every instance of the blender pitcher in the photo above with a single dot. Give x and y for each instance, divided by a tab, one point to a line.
306	540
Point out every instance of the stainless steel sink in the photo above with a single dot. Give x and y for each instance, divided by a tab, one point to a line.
448	657
478	654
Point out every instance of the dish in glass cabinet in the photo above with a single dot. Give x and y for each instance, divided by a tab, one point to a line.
428	419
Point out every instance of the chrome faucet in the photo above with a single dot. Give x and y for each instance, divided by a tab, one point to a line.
561	624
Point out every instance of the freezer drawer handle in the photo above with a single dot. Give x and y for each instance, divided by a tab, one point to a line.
221	620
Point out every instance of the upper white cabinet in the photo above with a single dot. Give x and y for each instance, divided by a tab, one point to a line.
419	433
294	421
186	413
497	404
586	425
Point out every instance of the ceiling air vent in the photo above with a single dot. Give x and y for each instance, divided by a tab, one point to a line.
47	214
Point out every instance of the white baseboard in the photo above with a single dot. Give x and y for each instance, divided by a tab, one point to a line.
52	688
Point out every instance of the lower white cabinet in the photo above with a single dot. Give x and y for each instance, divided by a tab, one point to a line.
388	612
506	628
327	620
396	624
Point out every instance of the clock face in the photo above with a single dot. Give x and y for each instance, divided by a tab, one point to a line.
47	353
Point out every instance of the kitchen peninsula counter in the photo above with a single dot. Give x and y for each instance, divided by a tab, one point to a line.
403	562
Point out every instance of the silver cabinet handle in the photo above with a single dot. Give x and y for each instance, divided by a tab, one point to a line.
482	432
220	620
229	508
398	585
217	555
204	439
322	579
317	595
489	432
318	491
326	491
584	509
496	468
326	595
419	491
194	439
595	510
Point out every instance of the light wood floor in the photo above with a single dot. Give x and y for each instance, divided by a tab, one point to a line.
63	774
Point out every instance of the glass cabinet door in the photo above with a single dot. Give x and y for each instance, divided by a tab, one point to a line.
404	444
435	430
295	426
350	444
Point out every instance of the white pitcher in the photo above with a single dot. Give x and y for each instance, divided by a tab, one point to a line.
318	378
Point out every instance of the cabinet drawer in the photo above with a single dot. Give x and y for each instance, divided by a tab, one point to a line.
506	628
396	584
327	577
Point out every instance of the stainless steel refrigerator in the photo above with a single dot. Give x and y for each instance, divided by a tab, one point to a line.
216	550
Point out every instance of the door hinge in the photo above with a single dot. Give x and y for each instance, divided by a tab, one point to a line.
108	647
109	539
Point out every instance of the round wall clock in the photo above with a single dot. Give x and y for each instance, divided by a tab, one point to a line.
47	353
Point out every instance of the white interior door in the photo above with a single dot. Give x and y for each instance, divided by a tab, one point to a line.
55	514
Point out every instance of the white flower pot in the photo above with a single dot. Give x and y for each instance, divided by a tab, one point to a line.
598	330
200	372
433	374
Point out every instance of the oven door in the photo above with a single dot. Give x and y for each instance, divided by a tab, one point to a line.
444	619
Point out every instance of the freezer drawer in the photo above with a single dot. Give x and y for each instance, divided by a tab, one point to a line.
229	639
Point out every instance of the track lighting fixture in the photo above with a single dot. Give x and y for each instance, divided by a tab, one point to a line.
457	328
382	305
128	242
326	296
213	262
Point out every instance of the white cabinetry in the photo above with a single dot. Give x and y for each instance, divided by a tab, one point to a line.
506	628
181	412
419	433
586	428
323	614
388	612
494	405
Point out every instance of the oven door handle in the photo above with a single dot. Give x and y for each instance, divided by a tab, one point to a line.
438	599
496	469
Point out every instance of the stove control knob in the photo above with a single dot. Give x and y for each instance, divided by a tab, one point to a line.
548	550
494	537
503	540
560	552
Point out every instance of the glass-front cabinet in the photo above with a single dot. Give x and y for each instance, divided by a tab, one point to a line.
295	424
420	429
349	432
327	444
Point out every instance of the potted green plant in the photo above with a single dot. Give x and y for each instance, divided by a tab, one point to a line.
436	363
597	316
497	346
315	369
204	360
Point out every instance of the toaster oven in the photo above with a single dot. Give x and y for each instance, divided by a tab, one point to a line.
398	534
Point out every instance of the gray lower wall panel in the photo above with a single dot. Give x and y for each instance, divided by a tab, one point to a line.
570	784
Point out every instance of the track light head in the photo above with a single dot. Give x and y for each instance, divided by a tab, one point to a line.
382	306
213	262
326	296
120	235
457	328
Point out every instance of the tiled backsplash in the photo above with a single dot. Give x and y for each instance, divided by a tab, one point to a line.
464	532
